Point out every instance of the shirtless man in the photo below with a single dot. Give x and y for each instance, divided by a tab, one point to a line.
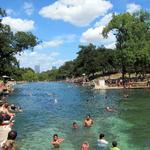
88	121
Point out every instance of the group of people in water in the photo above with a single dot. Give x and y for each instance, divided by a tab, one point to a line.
7	113
102	144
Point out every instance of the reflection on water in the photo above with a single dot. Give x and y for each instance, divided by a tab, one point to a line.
51	108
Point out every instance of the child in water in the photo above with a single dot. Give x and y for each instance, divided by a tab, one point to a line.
85	146
56	141
114	146
75	125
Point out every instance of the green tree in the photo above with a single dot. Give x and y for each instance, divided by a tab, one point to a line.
85	61
132	34
29	75
105	60
67	70
11	44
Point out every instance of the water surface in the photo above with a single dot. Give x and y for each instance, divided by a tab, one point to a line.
51	108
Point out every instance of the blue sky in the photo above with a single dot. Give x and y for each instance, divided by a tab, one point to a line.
63	25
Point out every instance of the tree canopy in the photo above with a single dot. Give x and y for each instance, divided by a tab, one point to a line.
12	43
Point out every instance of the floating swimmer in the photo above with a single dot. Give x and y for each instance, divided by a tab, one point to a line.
125	95
110	109
55	101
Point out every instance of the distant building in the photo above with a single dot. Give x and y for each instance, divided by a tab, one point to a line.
37	68
54	68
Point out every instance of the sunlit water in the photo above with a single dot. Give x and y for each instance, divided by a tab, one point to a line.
52	107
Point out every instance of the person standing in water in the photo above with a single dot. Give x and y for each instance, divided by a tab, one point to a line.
114	146
56	141
88	122
102	143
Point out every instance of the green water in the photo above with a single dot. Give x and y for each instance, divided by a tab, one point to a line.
52	107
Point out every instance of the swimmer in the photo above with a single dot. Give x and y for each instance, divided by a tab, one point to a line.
88	122
85	146
114	146
55	101
75	125
125	95
110	109
56	141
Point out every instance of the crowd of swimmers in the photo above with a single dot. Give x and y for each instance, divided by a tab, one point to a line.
102	144
7	114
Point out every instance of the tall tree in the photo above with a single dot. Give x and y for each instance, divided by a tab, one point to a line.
12	43
85	61
132	34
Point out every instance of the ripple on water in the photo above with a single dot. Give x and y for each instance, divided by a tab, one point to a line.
42	117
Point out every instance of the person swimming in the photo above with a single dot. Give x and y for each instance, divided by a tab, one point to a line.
114	146
109	109
126	96
75	125
88	122
56	141
85	146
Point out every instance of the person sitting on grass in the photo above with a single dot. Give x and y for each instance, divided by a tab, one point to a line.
88	122
114	146
56	141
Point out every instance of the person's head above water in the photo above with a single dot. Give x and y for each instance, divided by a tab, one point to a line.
74	125
88	117
55	137
12	135
101	136
114	144
85	146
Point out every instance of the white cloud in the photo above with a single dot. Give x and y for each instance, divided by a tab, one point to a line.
111	45
45	60
50	44
104	21
94	35
69	38
79	13
18	24
10	12
132	7
28	8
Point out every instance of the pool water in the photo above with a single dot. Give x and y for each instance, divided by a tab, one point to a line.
52	107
